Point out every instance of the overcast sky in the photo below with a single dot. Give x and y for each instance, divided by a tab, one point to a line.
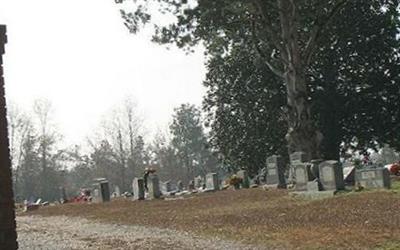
78	54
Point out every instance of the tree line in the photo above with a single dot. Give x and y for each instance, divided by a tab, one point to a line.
116	150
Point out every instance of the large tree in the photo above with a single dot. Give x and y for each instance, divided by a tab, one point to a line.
243	104
355	79
285	33
353	82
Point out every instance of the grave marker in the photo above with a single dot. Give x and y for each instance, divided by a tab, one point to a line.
212	183
276	171
301	173
104	191
373	178
138	189
245	178
331	175
167	186
298	157
295	158
63	194
349	171
154	187
117	191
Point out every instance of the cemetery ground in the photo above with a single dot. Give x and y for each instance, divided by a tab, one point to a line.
257	217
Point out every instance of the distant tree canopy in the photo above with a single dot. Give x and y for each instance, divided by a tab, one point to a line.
189	141
311	66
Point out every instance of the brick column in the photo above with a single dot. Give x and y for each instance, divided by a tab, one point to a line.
8	235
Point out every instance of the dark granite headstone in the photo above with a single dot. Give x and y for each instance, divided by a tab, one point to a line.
104	191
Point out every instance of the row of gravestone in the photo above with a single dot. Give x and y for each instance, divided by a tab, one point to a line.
318	175
315	175
101	192
154	189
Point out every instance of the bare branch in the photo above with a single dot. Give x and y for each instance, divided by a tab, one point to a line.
319	26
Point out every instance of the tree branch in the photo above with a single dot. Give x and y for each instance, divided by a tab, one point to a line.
274	69
320	24
268	28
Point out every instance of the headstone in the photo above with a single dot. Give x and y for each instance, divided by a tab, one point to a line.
212	183
373	178
245	178
101	191
296	158
313	186
179	186
117	191
313	170
104	191
301	173
198	182
63	195
349	171
167	186
276	171
96	195
138	189
154	186
331	175
262	176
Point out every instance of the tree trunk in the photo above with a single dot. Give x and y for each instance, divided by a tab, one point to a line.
8	235
302	134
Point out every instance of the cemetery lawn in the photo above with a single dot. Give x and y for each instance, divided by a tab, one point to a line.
354	220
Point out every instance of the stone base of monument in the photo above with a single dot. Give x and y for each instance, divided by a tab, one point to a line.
313	195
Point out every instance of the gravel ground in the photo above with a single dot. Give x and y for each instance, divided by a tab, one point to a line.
61	232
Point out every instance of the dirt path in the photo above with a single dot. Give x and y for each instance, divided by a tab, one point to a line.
60	232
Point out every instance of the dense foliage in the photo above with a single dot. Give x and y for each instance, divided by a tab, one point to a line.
354	85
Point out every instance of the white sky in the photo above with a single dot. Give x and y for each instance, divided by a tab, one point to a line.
79	55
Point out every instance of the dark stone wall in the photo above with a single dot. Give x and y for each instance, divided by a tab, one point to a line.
8	235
